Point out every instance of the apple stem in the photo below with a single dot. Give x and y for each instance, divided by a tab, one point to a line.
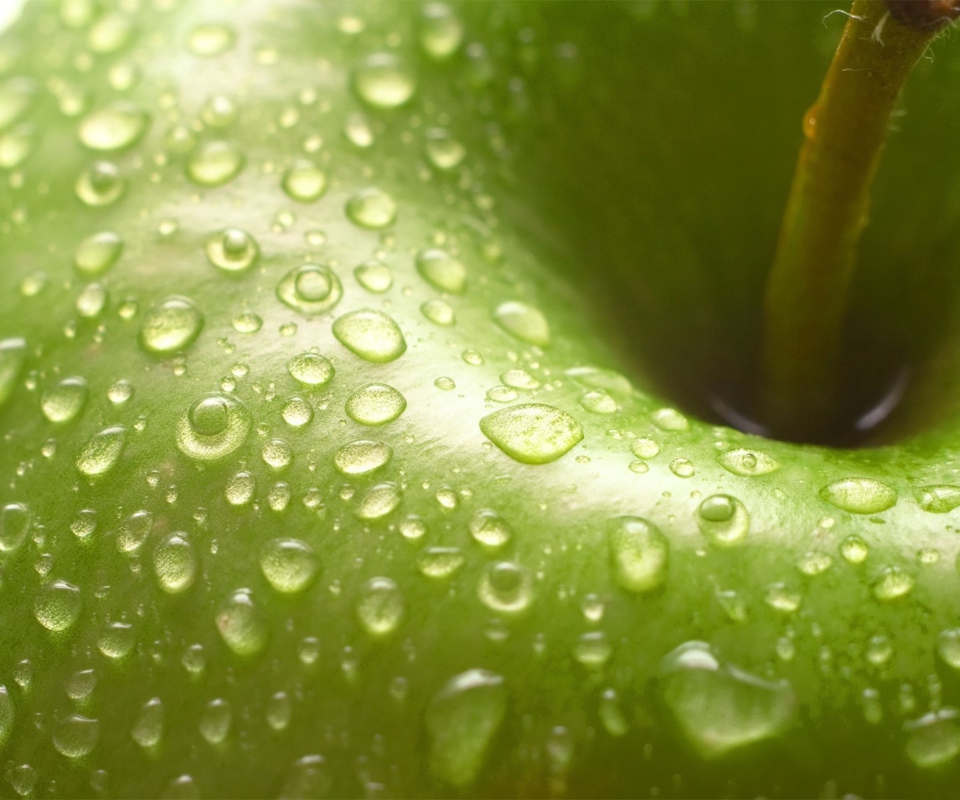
828	207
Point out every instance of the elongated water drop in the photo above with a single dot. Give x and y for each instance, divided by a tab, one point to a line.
892	583
16	97
442	271
15	521
379	501
64	402
148	729
241	624
362	457
441	32
532	433
97	253
380	607
639	554
860	495
524	322
7	715
102	451
115	127
440	562
938	499
462	720
175	564
934	739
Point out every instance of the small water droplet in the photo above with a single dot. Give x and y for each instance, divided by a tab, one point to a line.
91	301
304	181
375	404
310	369
532	433
356	127
15	521
443	151
412	527
240	489
439	562
148	729
948	646
64	402
490	529
241	625
57	606
524	322
219	111
814	562
748	463
462	720
116	641
382	81
781	597
442	271
97	253
371	208
439	312
310	289
289	565
297	412
374	276
215	163
380	606
934	739
216	721
379	501
860	495
211	40
76	736
102	451
506	587
611	714
645	448
101	184
232	250
370	334
7	715
598	401
639	554
115	127
175	564
213	427
440	31
669	419
134	531
593	649
892	583
682	468
362	457
721	708
120	392
723	520
171	325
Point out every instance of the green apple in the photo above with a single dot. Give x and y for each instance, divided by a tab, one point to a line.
339	456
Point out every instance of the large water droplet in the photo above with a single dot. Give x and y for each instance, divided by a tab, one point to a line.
723	520
748	463
639	554
489	528
371	208
215	163
232	250
525	322
379	501
101	184
97	253
241	625
380	606
76	736
304	181
383	81
102	451
15	520
362	457
721	708
289	565
462	720
442	271
310	369
939	499
934	739
64	402
506	587
310	289
57	606
213	427
532	433
860	495
13	355
171	325
115	127
175	564
375	404
370	334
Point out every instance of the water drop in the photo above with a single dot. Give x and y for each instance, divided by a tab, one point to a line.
781	597
383	81
213	427
13	355
91	301
17	145
375	404
374	276
892	583
506	587
380	606
723	520
721	708
211	40
171	325
520	379
7	715
362	457
101	184
110	33
116	641
64	402
879	650
16	97
939	499
379	501
525	322
216	721
598	401
240	489
948	646
934	739
356	127
439	562
442	271
644	448
115	127
215	163
532	433
97	253
682	468
371	208
639	554
441	32
439	313
175	564
289	565
462	720
814	562
102	451
489	528
412	528
310	289
611	715
219	111
76	736
860	495
15	521
304	181
444	152
232	250
593	649
669	419
310	369
747	463
241	625
246	322
148	729
134	531
296	412
57	606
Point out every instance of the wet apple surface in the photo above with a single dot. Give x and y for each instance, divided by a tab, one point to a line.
330	468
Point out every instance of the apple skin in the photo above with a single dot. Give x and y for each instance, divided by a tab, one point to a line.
821	656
